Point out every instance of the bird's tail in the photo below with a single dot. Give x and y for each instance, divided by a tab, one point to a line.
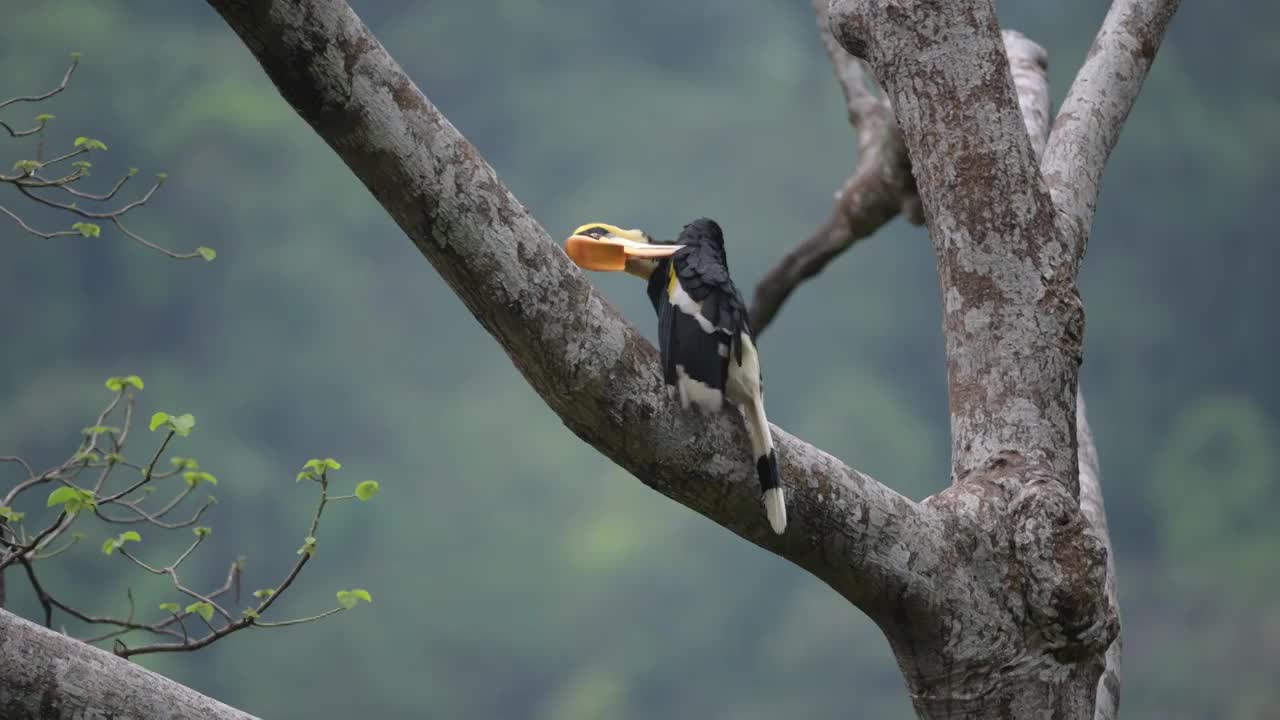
775	504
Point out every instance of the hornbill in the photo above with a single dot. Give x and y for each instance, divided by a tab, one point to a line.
704	334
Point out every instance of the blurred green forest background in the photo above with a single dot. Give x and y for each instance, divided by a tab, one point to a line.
516	573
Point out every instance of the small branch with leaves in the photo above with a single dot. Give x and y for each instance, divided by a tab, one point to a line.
40	181
87	485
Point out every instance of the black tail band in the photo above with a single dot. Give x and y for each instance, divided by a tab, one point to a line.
767	470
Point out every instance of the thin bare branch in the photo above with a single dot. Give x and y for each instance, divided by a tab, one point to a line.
38	233
66	78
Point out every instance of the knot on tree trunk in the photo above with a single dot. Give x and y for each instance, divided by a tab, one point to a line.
1062	570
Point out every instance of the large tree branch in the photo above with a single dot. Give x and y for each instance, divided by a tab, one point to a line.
1089	121
47	675
573	347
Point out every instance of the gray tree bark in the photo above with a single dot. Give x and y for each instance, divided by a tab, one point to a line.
997	594
47	676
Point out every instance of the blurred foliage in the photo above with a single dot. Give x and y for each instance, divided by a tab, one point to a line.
518	574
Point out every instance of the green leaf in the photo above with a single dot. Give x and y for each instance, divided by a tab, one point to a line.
207	253
183	424
180	424
308	546
90	144
349	598
100	430
133	171
113	458
367	490
71	499
44	118
61	496
195	477
87	229
26	166
88	456
83	166
110	544
170	607
318	466
202	531
250	613
264	593
9	514
162	176
305	475
185	463
116	384
203	609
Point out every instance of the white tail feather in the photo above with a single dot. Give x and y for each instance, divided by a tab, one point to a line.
775	506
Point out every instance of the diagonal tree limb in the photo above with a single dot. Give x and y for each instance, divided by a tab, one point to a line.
572	346
49	675
1089	121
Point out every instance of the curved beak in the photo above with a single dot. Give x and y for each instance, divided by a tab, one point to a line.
610	254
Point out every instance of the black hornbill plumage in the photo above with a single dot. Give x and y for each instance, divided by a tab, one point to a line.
704	334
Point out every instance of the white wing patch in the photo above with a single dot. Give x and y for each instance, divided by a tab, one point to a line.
696	392
689	306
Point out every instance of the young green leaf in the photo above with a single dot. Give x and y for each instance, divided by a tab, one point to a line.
185	463
250	613
170	607
44	118
116	384
203	609
195	477
158	419
318	466
71	499
26	166
90	144
110	544
305	475
202	531
350	598
308	546
101	430
183	424
367	489
113	458
87	229
207	253
10	515
264	593
88	456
